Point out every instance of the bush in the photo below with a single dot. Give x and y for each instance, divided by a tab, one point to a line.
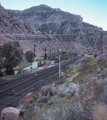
88	66
100	112
30	56
102	62
12	55
59	82
62	95
95	55
62	109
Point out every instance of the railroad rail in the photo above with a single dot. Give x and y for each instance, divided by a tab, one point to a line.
25	84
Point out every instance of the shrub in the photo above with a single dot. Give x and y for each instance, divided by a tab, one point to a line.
62	95
30	56
61	81
12	55
95	55
100	112
62	109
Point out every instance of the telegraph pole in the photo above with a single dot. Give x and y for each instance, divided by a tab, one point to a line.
45	54
22	65
31	60
59	65
32	55
34	48
1	51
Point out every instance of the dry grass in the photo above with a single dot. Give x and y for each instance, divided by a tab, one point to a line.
62	109
79	107
100	112
72	77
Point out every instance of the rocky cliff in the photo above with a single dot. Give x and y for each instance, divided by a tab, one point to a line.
49	20
52	43
54	21
11	25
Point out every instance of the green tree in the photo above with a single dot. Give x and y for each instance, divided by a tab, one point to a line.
30	56
1	65
12	55
45	54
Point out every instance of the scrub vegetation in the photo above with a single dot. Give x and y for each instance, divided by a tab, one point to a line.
89	103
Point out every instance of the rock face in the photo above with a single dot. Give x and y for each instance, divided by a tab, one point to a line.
10	113
52	43
54	21
11	25
57	27
49	20
3	40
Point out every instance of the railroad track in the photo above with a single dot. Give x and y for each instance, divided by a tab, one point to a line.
26	84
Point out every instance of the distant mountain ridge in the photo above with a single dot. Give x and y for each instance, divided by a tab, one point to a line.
11	25
54	21
37	22
49	20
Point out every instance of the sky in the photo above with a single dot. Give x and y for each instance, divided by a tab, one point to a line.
92	11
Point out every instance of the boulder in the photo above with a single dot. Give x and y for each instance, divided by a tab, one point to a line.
36	94
10	113
30	96
27	98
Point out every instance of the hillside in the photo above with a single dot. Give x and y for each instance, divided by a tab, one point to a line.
55	21
13	28
81	91
3	39
38	22
48	20
11	25
81	94
52	43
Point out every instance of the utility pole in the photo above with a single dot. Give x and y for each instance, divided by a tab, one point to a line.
34	48
22	63
59	65
45	55
33	55
31	60
1	51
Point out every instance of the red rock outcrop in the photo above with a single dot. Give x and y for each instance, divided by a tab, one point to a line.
30	96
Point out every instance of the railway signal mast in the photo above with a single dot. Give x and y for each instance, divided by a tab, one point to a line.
1	51
34	48
22	63
33	55
59	65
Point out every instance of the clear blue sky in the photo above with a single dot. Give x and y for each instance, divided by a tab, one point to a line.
92	11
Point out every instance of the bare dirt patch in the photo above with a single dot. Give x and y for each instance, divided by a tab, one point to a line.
72	77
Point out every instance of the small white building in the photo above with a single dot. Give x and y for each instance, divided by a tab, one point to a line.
52	62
